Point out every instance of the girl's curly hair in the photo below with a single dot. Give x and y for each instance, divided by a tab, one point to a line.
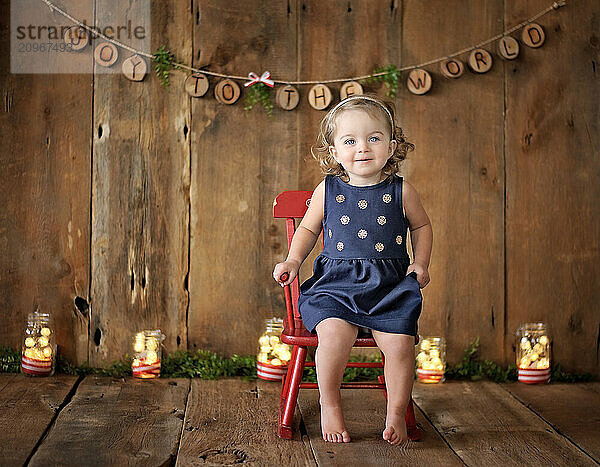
375	107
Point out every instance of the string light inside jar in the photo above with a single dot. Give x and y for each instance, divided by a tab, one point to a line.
273	355
533	353
431	359
38	351
147	353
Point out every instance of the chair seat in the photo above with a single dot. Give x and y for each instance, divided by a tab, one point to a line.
305	338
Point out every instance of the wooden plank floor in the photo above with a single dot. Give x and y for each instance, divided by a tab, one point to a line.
66	420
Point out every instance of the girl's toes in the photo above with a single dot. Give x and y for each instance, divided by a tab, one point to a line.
345	437
388	433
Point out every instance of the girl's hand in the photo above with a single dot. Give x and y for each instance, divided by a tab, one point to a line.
422	273
290	267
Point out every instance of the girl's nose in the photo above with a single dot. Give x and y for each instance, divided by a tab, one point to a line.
363	146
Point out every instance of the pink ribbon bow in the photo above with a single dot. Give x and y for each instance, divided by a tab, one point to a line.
264	78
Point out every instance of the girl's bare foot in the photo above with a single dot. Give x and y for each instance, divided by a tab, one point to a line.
395	427
332	424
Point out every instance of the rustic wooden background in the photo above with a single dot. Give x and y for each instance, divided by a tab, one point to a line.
128	205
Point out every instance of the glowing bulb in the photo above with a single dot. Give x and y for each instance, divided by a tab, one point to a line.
276	362
43	341
427	365
136	362
534	357
30	353
262	357
538	348
263	341
524	362
151	356
425	345
543	340
47	352
436	361
434	353
45	332
138	347
439	367
151	343
525	344
274	340
29	342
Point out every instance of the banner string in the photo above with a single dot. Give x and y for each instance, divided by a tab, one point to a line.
555	6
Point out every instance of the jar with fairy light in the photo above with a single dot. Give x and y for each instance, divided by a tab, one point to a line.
38	351
533	353
273	355
147	353
431	359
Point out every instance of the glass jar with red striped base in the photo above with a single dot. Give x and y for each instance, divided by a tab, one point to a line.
533	353
273	355
147	353
431	359
38	351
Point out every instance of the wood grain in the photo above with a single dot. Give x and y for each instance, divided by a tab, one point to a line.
117	422
45	144
27	406
240	162
485	425
458	170
364	414
234	421
553	183
572	409
140	221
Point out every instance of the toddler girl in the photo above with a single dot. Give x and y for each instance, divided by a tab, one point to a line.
363	278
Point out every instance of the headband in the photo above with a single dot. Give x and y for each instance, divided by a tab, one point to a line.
366	98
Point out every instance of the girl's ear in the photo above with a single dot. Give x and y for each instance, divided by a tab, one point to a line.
333	153
393	146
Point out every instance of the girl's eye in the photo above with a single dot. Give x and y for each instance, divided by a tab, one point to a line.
349	141
374	138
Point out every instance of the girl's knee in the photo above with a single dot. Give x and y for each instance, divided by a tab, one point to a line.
333	331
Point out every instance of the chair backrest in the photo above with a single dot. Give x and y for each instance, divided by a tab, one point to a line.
291	205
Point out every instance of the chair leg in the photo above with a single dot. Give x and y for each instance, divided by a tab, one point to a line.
288	402
413	431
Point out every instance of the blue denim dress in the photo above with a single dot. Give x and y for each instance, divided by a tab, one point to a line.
360	276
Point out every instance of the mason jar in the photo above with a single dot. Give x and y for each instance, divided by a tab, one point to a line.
533	353
273	356
431	359
146	346
38	350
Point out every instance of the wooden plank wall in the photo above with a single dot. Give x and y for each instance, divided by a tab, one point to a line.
155	208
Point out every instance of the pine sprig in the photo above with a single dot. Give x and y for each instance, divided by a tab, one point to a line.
164	61
259	92
391	78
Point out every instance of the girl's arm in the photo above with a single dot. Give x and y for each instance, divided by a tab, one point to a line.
421	233
305	237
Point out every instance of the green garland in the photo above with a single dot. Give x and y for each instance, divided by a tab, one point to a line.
259	92
208	365
391	78
164	61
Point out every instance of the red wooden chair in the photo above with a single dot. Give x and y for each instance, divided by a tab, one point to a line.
291	205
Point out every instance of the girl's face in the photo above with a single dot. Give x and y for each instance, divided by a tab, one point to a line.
362	145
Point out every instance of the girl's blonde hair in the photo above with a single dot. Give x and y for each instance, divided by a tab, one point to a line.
375	107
